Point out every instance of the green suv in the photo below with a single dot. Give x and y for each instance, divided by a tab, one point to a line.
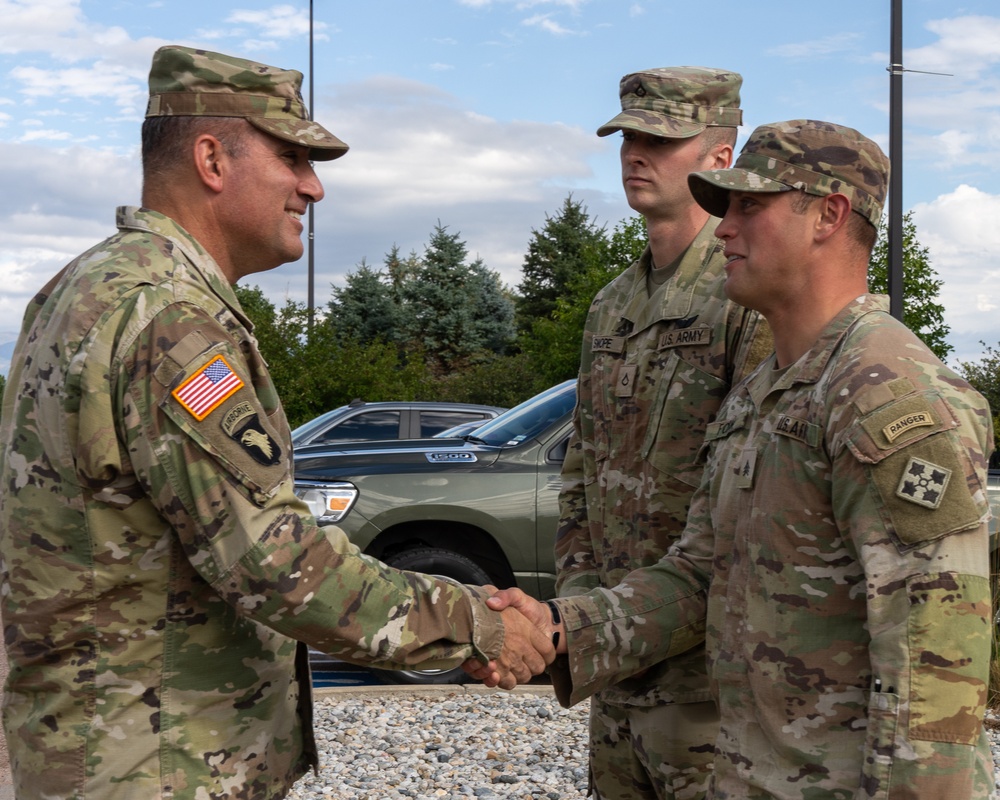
480	509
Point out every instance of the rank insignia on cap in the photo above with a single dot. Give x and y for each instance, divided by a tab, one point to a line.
204	391
923	483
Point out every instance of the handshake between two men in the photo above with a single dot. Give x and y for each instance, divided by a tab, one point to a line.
533	638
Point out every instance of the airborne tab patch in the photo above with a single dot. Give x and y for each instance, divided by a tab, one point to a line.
923	483
244	427
209	387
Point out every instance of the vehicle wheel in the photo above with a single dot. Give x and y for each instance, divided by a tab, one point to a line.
443	563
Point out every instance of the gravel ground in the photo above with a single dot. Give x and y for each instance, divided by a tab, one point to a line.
459	743
456	743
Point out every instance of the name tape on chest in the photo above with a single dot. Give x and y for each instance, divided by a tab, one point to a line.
607	344
694	336
799	429
208	388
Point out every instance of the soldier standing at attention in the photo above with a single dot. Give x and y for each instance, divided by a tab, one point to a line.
159	575
662	346
840	529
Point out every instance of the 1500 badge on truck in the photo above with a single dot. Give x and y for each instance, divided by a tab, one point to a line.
481	509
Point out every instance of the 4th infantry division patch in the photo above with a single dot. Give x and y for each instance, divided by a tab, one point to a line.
923	483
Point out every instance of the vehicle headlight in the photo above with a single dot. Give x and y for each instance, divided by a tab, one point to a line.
328	502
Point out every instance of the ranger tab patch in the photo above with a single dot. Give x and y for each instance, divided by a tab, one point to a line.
923	483
204	391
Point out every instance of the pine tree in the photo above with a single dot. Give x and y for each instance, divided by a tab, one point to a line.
555	257
553	342
437	299
365	310
492	309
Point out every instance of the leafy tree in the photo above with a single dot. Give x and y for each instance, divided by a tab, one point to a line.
313	371
922	314
984	376
502	381
555	257
3	387
554	342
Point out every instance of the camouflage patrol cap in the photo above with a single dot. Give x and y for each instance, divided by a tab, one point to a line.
677	102
188	82
820	158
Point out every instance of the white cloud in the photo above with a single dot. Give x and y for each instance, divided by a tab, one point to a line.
522	4
448	156
64	204
102	81
546	23
278	22
967	46
46	135
828	45
31	25
962	242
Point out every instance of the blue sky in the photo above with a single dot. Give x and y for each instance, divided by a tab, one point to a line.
481	114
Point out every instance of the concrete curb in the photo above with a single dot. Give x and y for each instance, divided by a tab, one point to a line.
427	690
6	781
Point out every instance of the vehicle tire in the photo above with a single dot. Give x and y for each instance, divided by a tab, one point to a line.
446	564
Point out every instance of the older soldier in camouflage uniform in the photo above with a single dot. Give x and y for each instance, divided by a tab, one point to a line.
661	347
157	567
848	605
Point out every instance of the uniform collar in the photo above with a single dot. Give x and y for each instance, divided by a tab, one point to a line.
814	362
676	295
148	221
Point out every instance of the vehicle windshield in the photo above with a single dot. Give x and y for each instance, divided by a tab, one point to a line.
528	419
307	429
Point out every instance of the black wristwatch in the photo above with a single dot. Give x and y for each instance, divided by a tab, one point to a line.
556	619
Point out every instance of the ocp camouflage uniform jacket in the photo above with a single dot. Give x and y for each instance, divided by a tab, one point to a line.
653	372
849	620
157	567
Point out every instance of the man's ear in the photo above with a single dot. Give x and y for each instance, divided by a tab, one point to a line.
209	155
835	210
723	157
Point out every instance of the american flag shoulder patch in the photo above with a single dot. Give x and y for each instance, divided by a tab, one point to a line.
204	391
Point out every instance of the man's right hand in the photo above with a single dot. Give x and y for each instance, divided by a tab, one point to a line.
527	646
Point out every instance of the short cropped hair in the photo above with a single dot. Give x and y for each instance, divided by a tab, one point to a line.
715	135
166	141
859	229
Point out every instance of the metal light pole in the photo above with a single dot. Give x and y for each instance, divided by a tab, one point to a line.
895	239
311	230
